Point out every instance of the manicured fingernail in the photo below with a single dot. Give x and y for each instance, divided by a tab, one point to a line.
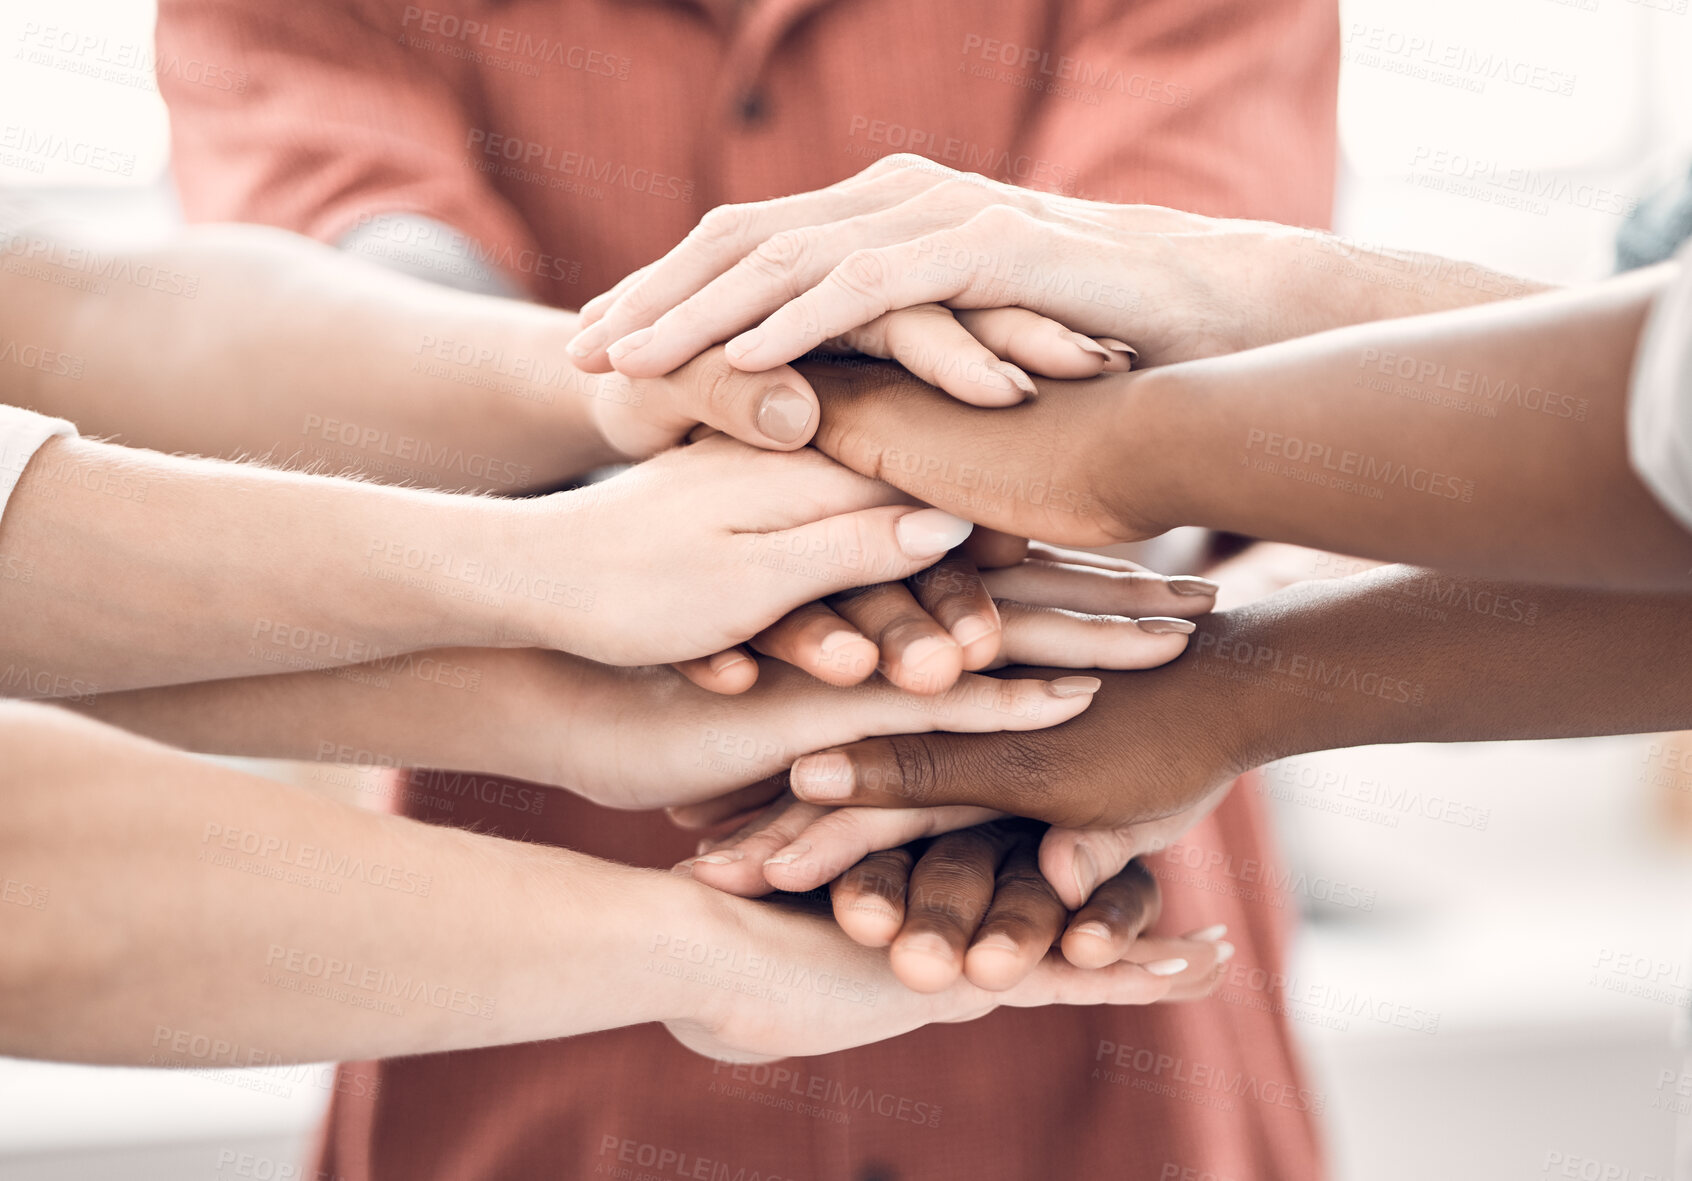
727	660
1086	871
1166	967
992	377
822	777
723	857
1016	377
682	869
634	340
1074	686
1209	934
928	533
1087	345
1095	930
971	628
1224	952
1188	584
1157	625
1117	346
784	414
582	345
790	854
745	343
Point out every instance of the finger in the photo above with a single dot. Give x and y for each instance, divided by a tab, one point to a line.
840	838
886	543
953	594
1037	343
990	549
735	864
595	308
1076	860
871	282
869	898
1020	926
777	413
720	810
951	887
728	672
1100	590
930	342
813	638
1206	954
1057	638
1112	918
921	771
1056	981
725	236
917	654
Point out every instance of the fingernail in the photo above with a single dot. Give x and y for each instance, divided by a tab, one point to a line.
1187	584
1209	934
929	532
725	857
920	652
992	376
745	343
790	854
971	628
1117	346
1158	625
1074	686
581	346
1166	967
634	340
999	941
834	641
822	777
682	869
1224	952
927	943
1087	345
727	660
784	414
1096	930
1086	871
1016	377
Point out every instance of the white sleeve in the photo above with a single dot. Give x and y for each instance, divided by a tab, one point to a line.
22	432
1659	417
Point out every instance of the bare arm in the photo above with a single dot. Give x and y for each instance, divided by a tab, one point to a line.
1489	440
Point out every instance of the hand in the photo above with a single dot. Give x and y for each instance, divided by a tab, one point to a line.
769	980
1083	464
705	546
972	902
907	231
1055	607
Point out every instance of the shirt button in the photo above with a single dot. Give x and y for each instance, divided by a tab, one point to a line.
754	108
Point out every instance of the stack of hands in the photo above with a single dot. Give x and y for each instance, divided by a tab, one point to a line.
811	624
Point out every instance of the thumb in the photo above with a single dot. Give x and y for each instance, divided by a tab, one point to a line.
775	410
860	548
1075	860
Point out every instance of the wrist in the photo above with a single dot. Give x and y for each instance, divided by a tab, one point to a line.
1147	462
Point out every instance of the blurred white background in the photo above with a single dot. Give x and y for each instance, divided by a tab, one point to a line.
1550	946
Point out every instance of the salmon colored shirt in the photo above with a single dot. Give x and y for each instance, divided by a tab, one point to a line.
571	141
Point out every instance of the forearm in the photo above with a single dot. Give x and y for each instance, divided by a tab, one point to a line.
143	569
282	348
175	905
1408	655
1490	440
472	709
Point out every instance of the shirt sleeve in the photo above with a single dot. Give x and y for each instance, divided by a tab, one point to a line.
22	434
318	116
1659	418
1220	107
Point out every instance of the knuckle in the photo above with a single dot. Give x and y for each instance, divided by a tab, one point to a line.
863	272
717	382
724	225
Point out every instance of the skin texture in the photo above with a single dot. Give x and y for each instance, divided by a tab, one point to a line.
1173	286
1285	443
134	869
1318	666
